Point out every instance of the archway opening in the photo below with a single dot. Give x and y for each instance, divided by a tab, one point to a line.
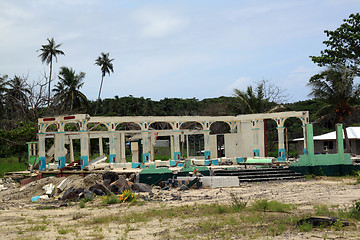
218	130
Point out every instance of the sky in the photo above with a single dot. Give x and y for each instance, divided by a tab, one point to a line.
172	49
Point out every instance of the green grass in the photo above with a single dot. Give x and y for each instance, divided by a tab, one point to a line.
11	164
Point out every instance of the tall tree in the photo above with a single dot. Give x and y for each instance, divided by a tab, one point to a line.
16	98
3	89
67	91
106	67
338	93
343	44
48	52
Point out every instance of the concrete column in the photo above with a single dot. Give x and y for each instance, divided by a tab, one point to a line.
281	146
122	148
135	152
207	151
146	146
255	134
60	150
84	149
112	148
71	150
171	144
42	156
101	149
310	139
340	140
177	153
187	146
305	142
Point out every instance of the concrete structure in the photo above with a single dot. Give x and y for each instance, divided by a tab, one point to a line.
337	164
326	143
245	138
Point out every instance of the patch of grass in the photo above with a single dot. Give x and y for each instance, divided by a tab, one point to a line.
111	199
305	227
11	164
238	203
37	228
63	231
271	206
324	210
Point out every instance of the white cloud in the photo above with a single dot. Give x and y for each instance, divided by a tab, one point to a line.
241	83
158	23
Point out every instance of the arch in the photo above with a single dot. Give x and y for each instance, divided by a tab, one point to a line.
193	125
96	126
160	126
52	128
127	126
71	127
219	127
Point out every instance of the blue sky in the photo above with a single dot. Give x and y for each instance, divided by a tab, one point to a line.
183	49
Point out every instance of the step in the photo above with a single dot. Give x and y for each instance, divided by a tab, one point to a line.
270	179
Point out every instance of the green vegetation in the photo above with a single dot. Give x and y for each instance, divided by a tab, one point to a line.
11	164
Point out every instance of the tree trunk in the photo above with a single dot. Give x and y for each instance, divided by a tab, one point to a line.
50	82
98	100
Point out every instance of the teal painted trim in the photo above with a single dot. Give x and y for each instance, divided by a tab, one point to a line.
84	160
176	131
62	161
206	130
340	140
146	157
206	162
322	160
135	165
144	131
305	151
180	165
172	163
256	153
83	130
255	128
112	158
177	155
215	162
281	155
280	127
239	160
42	133
207	155
42	163
59	132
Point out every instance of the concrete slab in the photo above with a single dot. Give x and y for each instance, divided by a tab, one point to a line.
220	181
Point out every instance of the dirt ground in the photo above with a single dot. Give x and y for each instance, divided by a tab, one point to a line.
22	219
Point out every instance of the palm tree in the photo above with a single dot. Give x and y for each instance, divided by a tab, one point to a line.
48	52
16	97
252	101
67	90
106	67
336	90
3	89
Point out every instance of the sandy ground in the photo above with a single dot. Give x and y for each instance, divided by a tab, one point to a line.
19	218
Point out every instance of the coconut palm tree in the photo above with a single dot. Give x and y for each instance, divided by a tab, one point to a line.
48	52
67	92
3	89
106	67
16	97
336	90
